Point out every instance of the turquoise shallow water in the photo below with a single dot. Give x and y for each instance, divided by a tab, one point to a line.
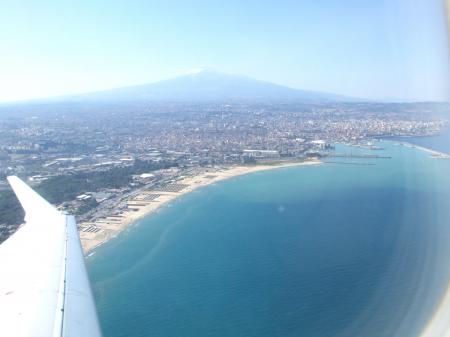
331	250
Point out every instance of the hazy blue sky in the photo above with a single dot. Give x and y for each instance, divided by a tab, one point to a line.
365	48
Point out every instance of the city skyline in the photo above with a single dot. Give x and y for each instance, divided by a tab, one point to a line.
376	51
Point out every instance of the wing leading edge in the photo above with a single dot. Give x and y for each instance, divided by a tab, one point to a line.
44	287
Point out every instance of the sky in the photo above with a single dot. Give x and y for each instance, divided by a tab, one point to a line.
374	49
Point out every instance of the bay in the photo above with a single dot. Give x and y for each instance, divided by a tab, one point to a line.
330	250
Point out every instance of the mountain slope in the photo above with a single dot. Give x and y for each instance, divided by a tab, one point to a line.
209	86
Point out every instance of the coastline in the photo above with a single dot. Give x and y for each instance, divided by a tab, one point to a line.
146	202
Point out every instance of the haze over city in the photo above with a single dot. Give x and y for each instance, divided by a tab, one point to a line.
377	50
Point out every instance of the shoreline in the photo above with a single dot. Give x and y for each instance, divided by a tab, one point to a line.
147	202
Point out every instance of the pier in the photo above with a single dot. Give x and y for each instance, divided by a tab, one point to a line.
347	155
348	163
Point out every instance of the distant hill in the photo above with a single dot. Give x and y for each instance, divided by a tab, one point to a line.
207	86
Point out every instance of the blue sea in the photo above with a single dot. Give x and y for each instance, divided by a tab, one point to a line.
355	248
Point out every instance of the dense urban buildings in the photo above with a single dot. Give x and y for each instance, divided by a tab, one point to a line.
101	154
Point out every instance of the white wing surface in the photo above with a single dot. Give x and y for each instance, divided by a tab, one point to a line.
44	287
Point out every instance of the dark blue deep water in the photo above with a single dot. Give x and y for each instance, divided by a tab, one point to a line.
331	250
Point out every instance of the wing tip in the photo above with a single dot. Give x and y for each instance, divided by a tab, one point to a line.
13	180
17	184
30	200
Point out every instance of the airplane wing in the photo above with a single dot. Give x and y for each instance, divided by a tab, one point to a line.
44	287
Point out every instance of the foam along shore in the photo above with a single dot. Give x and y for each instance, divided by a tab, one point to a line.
434	153
94	234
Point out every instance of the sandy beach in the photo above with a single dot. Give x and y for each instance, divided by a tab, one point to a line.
94	234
